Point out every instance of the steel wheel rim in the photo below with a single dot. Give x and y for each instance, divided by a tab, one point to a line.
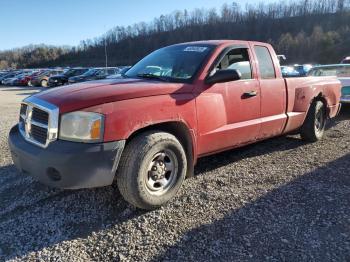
44	83
319	121
162	172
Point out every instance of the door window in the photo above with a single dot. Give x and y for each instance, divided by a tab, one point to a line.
237	59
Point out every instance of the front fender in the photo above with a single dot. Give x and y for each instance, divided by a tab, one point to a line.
123	118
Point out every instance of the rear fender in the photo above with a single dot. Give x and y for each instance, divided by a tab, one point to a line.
327	92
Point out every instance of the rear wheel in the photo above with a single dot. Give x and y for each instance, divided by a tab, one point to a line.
315	122
43	83
151	170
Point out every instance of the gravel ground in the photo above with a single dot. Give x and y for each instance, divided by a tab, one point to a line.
279	200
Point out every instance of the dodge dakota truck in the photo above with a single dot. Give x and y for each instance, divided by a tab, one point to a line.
146	130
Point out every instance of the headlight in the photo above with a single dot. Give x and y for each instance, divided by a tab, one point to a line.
82	127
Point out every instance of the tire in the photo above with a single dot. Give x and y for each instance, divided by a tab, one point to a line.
315	122
151	170
43	83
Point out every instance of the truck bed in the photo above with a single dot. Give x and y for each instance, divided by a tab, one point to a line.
300	91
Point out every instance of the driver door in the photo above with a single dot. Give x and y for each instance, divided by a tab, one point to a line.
229	113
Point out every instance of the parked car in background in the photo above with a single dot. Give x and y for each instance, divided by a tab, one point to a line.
14	80
34	74
4	72
42	79
339	70
23	79
93	74
346	60
9	81
342	71
8	75
303	69
289	71
345	97
120	73
62	79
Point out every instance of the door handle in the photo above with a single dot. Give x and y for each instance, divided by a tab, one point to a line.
250	94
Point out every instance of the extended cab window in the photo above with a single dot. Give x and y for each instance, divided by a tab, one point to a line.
266	67
237	59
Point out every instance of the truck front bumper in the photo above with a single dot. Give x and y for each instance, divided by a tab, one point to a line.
67	165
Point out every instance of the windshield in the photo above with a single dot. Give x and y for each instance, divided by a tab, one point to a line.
70	72
177	63
75	72
340	71
22	75
41	73
90	72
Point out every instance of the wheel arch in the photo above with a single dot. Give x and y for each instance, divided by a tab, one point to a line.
182	132
320	97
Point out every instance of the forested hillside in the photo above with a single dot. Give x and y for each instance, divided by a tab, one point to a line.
31	54
305	31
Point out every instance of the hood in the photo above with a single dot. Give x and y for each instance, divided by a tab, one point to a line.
84	95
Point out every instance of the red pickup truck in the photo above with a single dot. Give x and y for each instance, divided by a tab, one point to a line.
147	129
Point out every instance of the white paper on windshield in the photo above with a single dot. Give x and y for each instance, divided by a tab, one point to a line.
199	49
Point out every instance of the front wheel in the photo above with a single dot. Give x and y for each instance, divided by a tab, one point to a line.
151	170
315	122
44	83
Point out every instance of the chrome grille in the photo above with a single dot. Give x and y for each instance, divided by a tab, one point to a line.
39	133
40	116
38	121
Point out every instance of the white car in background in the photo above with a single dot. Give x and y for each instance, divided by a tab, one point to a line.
342	71
120	73
346	60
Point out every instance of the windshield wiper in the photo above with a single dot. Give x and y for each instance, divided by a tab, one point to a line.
151	76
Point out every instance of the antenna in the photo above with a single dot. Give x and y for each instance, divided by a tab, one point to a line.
106	57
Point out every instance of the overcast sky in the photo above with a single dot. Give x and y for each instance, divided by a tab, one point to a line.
67	22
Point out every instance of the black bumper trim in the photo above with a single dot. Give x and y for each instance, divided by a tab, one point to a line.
67	165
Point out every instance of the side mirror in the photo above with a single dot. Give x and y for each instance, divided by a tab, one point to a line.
222	76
